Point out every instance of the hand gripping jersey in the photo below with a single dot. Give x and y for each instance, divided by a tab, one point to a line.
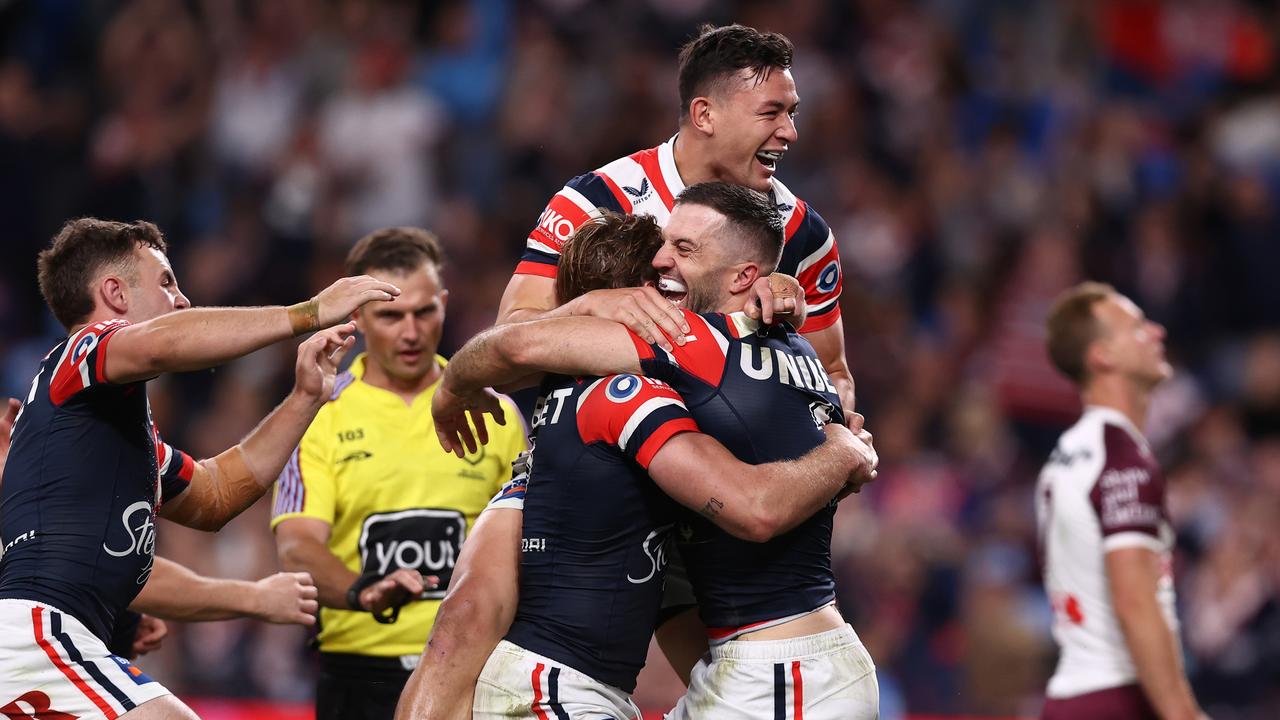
764	394
647	183
1100	490
86	473
594	544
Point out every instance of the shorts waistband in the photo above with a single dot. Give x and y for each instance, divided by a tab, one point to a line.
367	667
789	649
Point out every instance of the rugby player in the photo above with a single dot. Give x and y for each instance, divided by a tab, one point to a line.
596	529
760	391
1104	528
175	592
737	120
87	472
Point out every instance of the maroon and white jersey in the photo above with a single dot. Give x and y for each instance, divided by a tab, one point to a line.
1101	490
647	183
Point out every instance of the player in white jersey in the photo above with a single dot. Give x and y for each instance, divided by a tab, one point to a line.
1104	531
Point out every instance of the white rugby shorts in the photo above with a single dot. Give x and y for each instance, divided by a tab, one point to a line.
826	676
516	683
52	667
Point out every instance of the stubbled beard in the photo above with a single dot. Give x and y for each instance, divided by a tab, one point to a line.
700	298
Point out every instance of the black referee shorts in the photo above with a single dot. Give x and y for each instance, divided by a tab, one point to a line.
359	687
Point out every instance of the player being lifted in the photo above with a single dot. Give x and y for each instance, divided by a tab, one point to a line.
1104	530
87	472
762	392
737	120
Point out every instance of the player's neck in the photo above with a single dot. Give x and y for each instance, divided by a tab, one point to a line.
407	389
1119	394
692	162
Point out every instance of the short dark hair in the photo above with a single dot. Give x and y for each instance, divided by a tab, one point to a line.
395	249
720	52
753	219
1073	326
613	251
80	250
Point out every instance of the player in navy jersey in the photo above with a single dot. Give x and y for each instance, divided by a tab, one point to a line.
761	391
738	102
582	472
87	473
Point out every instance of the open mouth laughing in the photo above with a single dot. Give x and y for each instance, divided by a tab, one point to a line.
672	289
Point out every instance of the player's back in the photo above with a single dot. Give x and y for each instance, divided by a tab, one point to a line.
593	548
77	508
1100	490
764	394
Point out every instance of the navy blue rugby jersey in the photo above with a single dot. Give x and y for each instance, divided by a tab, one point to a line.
763	393
596	528
85	475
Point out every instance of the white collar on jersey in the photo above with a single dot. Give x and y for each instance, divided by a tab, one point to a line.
667	164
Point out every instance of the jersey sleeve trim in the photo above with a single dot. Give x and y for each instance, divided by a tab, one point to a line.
511	496
538	267
655	442
291	491
1131	539
642	413
814	323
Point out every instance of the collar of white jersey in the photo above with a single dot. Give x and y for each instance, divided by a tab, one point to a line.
671	174
1115	417
667	164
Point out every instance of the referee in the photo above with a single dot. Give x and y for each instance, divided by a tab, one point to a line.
370	504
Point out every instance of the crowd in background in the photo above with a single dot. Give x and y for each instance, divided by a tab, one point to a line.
974	158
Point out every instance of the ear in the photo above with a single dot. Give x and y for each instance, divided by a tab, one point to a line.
1098	358
113	291
444	300
700	116
744	276
355	318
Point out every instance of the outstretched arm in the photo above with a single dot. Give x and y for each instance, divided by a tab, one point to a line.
203	337
223	486
759	502
473	617
174	592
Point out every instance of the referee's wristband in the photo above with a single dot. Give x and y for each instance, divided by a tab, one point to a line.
353	600
353	597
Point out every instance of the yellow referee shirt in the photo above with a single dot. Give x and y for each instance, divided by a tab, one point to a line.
372	468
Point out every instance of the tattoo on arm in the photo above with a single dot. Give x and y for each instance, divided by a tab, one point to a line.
304	316
712	508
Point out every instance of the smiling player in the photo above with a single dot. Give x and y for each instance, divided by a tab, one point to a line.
737	120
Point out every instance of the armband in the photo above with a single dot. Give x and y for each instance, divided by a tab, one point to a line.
304	317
